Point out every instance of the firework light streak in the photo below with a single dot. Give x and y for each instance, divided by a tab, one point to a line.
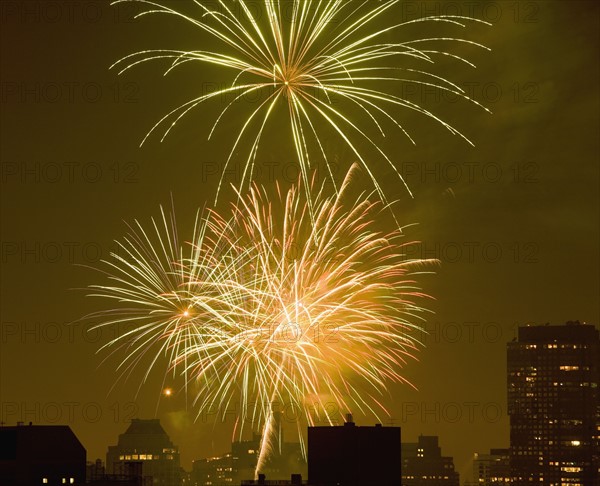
152	302
305	55
271	306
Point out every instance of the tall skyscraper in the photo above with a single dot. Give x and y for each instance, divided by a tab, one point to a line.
424	465
554	405
146	442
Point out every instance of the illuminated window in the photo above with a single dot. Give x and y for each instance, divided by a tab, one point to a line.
128	458
575	443
71	480
143	457
45	480
64	480
250	451
135	457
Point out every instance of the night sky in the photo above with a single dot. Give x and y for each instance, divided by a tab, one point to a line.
513	220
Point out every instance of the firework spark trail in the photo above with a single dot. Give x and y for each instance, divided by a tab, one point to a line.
269	306
151	304
324	307
324	50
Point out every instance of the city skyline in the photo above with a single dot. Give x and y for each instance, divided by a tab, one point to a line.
536	360
352	454
513	220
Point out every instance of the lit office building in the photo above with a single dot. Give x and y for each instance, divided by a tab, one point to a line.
146	442
284	460
424	465
554	405
213	471
492	469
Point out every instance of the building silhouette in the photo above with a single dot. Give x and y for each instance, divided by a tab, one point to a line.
94	470
244	457
239	465
146	443
553	404
41	455
424	465
295	480
349	455
492	469
213	471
